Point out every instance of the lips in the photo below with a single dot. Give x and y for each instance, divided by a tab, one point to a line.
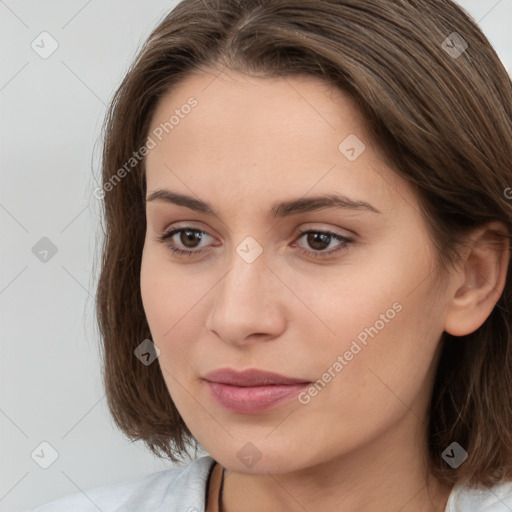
251	391
251	377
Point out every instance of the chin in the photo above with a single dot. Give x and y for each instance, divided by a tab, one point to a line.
259	458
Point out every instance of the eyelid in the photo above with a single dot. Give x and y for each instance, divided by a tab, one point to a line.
316	226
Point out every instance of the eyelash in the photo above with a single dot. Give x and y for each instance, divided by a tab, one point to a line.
347	241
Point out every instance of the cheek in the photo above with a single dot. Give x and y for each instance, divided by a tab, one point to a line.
378	364
173	300
164	298
154	296
168	293
377	331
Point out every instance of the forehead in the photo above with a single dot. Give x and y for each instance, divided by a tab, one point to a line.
297	108
259	137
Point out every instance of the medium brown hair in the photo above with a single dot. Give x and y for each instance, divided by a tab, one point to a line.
443	120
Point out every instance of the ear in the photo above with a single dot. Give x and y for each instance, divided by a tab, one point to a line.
479	280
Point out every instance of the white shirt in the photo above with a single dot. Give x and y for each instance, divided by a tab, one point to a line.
183	489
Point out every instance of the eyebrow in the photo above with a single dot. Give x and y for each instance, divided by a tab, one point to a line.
281	209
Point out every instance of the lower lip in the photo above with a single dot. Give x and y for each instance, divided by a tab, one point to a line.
253	399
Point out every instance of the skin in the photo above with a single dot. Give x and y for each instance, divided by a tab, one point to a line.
360	444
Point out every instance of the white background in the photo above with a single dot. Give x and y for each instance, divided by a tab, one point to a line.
51	114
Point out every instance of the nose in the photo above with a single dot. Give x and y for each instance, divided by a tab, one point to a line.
248	303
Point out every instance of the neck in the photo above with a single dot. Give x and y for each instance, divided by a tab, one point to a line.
370	478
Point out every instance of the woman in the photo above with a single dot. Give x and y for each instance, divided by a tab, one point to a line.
306	262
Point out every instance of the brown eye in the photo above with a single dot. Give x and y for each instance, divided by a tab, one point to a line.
190	237
318	241
188	240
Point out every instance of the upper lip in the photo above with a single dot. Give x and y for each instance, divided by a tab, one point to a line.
250	377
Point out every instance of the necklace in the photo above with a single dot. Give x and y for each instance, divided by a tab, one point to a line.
219	504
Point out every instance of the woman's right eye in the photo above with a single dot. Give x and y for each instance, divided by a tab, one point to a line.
186	236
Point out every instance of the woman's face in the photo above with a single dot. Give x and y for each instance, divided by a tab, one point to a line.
358	320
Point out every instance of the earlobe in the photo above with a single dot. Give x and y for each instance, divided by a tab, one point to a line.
483	273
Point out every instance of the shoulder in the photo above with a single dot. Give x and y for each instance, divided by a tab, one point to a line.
464	498
180	488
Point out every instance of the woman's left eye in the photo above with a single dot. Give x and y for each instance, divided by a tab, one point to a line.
189	238
320	240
